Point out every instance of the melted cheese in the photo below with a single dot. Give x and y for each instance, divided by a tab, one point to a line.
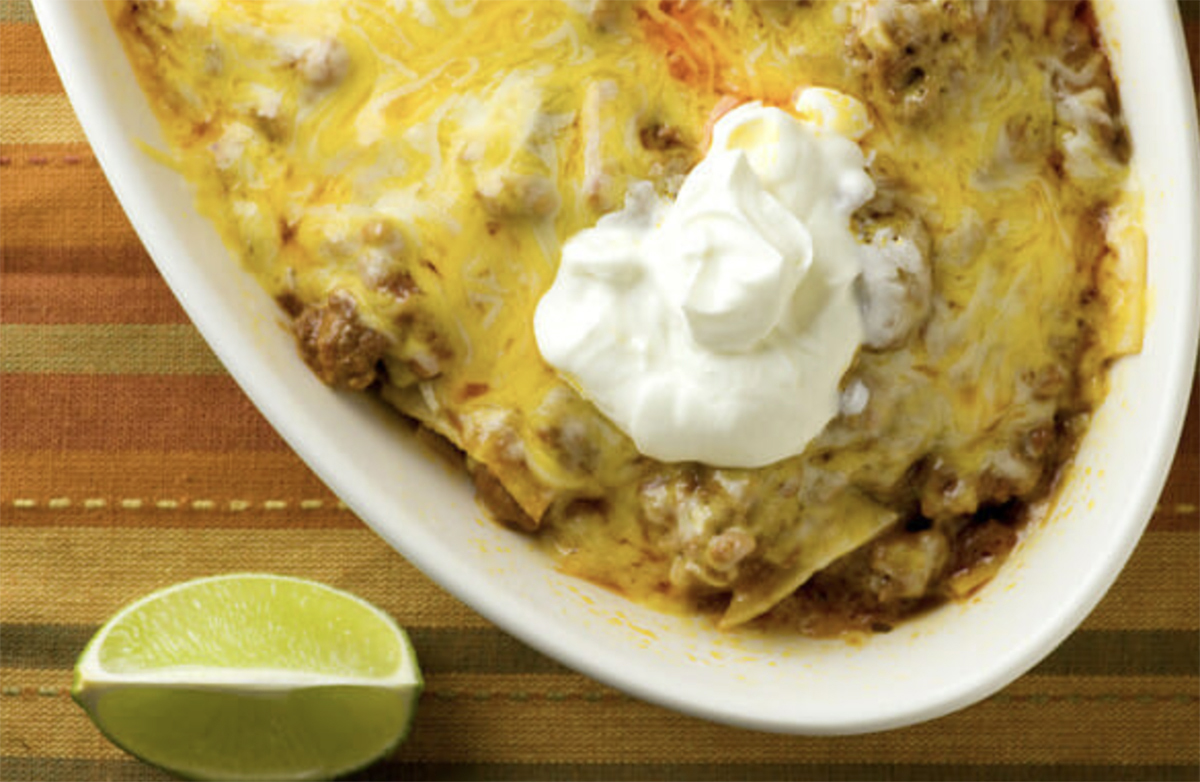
446	149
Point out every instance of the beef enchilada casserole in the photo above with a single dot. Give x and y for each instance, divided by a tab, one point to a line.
789	313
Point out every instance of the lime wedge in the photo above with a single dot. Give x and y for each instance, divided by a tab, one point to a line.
251	676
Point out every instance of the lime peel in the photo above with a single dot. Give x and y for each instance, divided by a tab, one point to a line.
251	676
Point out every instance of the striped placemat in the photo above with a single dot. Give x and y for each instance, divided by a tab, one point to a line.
130	460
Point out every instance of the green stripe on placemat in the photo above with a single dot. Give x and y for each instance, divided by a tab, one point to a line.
106	349
17	12
64	768
69	768
488	650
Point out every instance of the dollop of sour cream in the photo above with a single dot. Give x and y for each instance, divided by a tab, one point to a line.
716	328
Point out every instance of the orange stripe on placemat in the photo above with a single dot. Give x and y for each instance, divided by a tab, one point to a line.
88	298
144	412
57	217
73	413
33	478
182	512
26	66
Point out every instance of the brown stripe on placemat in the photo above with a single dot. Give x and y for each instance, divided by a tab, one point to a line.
114	256
1120	730
492	651
1191	34
67	768
440	649
1180	500
27	686
1172	515
88	299
1124	653
51	210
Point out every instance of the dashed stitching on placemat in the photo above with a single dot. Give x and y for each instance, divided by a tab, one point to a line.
41	161
139	503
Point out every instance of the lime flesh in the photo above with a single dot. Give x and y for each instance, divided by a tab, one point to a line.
251	677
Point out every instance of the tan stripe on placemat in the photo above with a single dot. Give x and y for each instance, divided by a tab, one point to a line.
19	11
122	573
138	561
1151	591
38	118
38	589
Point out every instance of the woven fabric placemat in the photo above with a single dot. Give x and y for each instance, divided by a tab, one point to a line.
130	461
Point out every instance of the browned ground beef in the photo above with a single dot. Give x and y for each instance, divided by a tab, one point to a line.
336	344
